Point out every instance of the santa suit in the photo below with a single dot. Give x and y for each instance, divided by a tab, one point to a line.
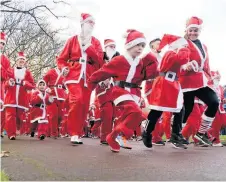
194	120
16	99
220	118
38	113
82	61
54	80
4	67
127	98
95	130
167	83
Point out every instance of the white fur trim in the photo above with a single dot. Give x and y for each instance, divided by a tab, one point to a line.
194	26
42	121
15	105
71	81
135	42
148	92
206	118
86	46
55	88
87	19
178	43
21	57
110	43
39	82
123	98
168	109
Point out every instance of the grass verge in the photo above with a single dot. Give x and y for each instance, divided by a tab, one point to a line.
4	177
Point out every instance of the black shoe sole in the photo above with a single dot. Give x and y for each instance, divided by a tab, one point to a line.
42	137
177	147
126	147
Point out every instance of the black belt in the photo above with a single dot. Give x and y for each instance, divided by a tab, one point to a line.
124	84
18	84
39	105
169	75
58	86
77	60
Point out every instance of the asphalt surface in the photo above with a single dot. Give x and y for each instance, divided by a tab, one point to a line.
31	159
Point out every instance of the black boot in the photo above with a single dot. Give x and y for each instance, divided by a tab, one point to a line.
147	139
177	141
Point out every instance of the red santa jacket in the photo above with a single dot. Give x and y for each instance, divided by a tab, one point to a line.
4	68
82	61
55	81
166	93
191	80
38	112
124	68
149	82
16	96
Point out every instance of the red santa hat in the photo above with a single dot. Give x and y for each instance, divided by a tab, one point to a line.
39	81
21	55
173	41
108	42
215	75
2	37
86	17
194	22
133	37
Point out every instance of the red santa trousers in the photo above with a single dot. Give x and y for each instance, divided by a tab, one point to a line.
131	118
166	121
158	131
55	111
95	130
41	128
63	130
218	123
14	117
79	99
106	115
193	122
2	120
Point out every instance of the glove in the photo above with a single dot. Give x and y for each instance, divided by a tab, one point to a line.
11	82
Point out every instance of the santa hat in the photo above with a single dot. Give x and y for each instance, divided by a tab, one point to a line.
215	75
21	55
108	42
86	17
173	41
194	22
39	81
133	37
2	37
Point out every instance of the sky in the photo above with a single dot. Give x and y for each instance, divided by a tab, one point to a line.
153	18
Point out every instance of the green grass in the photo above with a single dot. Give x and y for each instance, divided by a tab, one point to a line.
4	177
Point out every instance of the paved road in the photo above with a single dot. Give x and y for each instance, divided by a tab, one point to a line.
31	159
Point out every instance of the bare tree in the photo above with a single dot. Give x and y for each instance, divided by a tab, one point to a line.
24	34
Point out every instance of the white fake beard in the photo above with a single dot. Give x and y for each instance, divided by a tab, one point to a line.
110	52
87	30
216	82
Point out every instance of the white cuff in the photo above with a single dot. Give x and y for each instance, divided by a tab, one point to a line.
86	46
64	68
51	99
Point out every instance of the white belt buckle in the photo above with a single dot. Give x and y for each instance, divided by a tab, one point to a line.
42	106
59	86
170	76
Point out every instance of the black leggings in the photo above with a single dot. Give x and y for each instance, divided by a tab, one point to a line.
206	95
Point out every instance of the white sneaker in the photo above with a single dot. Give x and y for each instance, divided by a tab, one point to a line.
217	145
76	140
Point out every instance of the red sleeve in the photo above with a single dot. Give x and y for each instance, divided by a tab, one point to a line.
95	52
46	77
171	58
106	71
47	100
35	99
150	66
29	82
65	55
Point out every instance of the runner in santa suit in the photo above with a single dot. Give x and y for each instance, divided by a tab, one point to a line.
128	71
4	67
40	98
55	81
220	119
103	93
193	122
167	82
81	56
16	99
157	133
194	81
